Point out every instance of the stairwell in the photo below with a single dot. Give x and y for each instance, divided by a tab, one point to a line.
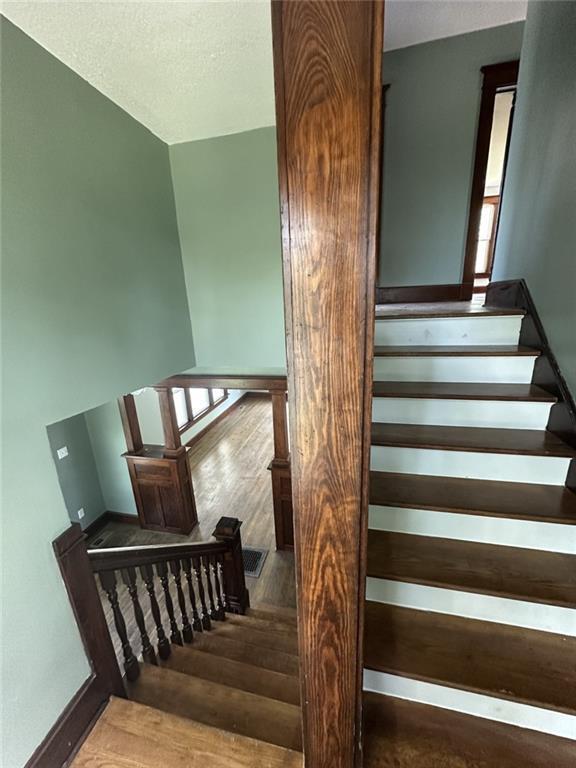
470	647
228	699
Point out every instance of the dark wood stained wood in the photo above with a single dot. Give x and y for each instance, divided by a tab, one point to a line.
415	293
72	727
172	442
266	381
327	60
236	674
456	351
247	652
109	517
130	423
406	734
72	557
510	572
499	660
547	374
130	735
281	475
219	706
526	442
456	391
438	309
491	498
495	76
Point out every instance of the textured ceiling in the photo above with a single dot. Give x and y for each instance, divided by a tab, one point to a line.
194	69
185	70
408	22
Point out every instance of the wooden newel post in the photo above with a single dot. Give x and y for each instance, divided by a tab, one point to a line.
281	479
237	596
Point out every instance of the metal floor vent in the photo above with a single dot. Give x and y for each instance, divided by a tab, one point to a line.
253	560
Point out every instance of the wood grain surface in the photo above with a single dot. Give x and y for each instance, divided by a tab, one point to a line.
327	71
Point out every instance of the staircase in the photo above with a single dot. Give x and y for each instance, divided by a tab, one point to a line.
229	699
470	627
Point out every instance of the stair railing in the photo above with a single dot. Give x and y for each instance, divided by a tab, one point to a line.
198	583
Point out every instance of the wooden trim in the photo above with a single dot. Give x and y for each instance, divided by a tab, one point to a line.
547	373
327	59
199	435
227	381
130	423
418	293
495	77
72	557
172	442
72	727
211	406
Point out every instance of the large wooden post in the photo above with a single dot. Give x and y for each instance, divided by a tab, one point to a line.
327	58
280	470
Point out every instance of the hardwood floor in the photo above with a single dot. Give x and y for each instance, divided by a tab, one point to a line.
230	477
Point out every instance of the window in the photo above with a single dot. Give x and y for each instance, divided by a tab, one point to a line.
485	242
193	403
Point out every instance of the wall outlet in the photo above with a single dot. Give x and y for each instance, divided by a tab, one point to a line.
80	513
62	452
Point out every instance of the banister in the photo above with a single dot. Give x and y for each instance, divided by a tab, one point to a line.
116	558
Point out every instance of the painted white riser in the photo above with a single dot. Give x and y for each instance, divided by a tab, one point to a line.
484	530
488	707
479	329
461	413
518	613
501	370
548	470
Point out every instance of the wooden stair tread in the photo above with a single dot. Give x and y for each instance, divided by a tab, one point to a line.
492	498
239	650
132	735
441	309
500	660
456	391
285	641
407	734
274	613
528	442
457	350
236	674
510	572
263	624
219	706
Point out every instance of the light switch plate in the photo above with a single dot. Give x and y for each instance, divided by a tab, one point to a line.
62	452
80	513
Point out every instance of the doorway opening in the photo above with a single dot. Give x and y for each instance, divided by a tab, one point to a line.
492	142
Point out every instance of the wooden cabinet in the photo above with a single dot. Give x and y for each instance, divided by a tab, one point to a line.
162	488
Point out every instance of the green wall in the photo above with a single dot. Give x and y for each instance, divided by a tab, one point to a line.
537	237
430	134
77	472
226	193
93	305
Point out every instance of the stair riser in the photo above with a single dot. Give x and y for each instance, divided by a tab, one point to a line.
518	613
491	708
449	330
461	413
547	470
492	370
484	530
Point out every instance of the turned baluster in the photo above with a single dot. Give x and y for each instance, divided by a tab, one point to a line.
108	581
129	579
198	573
220	609
147	574
206	564
196	621
176	575
162	571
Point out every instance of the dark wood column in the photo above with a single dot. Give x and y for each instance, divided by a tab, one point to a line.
328	78
281	475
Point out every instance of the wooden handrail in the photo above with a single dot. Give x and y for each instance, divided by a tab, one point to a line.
269	382
116	558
